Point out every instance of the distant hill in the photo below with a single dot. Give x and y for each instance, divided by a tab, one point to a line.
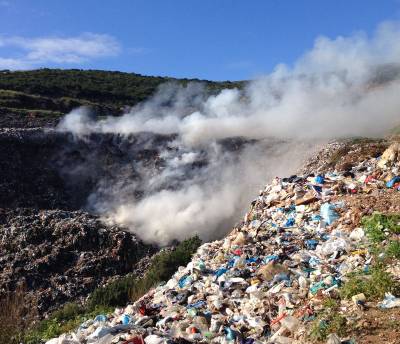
40	97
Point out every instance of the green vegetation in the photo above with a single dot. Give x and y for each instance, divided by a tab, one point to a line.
64	320
393	249
163	266
374	284
375	225
113	294
118	293
381	231
328	321
13	101
62	90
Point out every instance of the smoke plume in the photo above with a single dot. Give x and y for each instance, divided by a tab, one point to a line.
342	87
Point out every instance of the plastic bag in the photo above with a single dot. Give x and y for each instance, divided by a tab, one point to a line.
390	301
185	281
333	245
328	213
393	181
320	179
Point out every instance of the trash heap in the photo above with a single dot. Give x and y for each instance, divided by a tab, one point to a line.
266	280
62	256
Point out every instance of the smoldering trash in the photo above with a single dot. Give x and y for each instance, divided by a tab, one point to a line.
267	280
335	90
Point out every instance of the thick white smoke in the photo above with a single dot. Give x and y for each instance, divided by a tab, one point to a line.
205	203
342	87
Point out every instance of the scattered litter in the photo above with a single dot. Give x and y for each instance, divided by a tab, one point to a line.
265	280
390	301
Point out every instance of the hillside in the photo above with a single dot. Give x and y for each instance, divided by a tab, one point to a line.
40	97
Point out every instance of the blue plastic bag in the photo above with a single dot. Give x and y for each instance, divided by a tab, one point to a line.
220	272
100	318
230	334
317	188
184	281
282	276
197	304
328	213
270	258
311	244
126	319
316	217
290	222
251	260
393	181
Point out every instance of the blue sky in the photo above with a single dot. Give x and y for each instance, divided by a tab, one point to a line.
208	39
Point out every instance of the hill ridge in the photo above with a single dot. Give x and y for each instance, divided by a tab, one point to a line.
44	95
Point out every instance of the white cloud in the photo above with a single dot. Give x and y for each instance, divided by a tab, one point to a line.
69	50
10	63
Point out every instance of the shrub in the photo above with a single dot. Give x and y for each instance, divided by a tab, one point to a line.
375	224
373	285
64	320
329	321
15	316
107	91
113	294
163	266
393	249
117	293
68	311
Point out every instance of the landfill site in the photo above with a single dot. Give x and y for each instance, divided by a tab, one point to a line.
151	237
200	172
315	259
256	212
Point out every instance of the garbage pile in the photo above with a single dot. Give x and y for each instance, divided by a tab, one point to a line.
46	169
266	280
58	253
61	256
